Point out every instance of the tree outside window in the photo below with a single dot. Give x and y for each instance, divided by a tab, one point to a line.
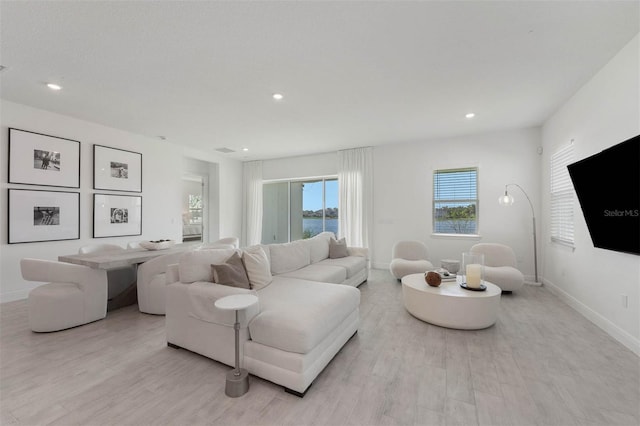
195	209
455	201
294	210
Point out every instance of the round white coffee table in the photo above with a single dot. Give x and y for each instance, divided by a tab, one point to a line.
449	305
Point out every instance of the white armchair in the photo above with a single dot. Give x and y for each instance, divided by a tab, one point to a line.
500	266
409	257
75	294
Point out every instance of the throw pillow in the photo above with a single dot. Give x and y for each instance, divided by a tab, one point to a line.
319	245
337	248
231	272
257	266
195	265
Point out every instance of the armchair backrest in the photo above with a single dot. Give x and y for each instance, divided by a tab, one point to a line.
410	250
92	282
495	254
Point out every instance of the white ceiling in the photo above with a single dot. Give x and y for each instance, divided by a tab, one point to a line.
353	73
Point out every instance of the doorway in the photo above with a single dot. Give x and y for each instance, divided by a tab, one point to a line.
194	207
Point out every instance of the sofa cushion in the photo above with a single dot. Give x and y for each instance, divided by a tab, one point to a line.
288	257
202	299
231	272
338	248
352	264
320	273
296	315
257	266
319	246
195	265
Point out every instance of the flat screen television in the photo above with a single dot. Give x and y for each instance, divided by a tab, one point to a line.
608	188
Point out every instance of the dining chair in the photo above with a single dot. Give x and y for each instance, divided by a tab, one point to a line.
152	283
228	242
132	245
74	294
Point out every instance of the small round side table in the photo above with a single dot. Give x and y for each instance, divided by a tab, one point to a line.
237	379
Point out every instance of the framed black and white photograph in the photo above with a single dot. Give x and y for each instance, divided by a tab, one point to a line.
37	216
116	169
116	215
38	159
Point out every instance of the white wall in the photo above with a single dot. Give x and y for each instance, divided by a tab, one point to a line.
601	114
161	180
301	167
403	190
403	193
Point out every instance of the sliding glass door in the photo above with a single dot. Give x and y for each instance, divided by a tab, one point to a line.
294	210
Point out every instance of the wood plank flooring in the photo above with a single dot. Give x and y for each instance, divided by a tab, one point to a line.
542	363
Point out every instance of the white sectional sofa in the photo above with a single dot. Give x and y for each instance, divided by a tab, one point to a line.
308	311
152	282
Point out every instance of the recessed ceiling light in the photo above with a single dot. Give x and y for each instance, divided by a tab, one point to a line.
278	96
53	86
245	149
470	115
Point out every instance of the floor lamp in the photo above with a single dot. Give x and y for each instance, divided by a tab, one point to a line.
507	200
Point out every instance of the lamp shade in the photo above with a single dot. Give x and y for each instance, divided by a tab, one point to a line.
505	200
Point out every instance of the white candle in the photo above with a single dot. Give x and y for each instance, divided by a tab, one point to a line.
474	275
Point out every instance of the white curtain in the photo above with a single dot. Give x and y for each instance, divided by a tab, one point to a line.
252	203
355	200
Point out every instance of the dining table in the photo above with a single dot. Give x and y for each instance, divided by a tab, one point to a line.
113	260
122	258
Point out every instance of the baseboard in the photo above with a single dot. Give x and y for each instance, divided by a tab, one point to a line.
380	266
610	328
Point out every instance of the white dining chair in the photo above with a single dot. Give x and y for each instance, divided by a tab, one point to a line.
74	294
133	245
152	283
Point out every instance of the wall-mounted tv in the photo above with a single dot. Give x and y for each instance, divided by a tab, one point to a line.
608	188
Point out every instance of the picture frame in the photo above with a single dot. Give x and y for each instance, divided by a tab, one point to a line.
116	169
116	215
36	216
39	159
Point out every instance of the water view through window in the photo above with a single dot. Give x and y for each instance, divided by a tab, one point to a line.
296	210
455	201
319	208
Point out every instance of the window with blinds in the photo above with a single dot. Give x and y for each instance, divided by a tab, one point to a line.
455	201
562	196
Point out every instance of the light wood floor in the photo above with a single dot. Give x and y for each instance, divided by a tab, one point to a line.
541	364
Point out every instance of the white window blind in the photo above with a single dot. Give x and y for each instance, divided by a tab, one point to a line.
562	196
455	201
